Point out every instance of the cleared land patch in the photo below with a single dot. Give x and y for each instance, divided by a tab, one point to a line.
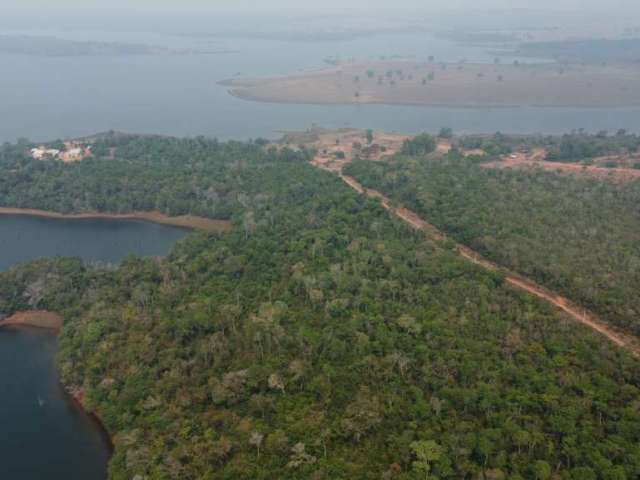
536	159
35	318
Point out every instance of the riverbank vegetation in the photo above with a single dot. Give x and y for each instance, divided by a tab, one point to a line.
319	339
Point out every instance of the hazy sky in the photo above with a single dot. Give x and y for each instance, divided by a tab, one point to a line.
254	5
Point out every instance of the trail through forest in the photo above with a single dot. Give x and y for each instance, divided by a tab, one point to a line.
579	314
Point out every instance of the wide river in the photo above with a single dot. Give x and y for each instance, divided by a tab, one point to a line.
44	434
57	97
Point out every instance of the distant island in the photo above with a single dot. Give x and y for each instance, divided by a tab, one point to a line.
451	85
47	46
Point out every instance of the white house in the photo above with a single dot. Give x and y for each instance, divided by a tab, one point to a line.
41	152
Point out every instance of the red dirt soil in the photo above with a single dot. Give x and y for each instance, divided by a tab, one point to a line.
34	318
536	159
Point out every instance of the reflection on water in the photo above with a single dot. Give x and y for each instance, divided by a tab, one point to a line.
44	435
25	238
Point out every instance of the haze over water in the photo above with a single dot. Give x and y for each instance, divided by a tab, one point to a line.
45	435
62	97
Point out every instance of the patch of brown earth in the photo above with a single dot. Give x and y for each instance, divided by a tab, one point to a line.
335	148
443	147
473	151
535	159
34	318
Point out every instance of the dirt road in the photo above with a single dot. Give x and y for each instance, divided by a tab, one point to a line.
582	316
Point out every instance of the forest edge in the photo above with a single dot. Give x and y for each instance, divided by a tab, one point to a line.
184	221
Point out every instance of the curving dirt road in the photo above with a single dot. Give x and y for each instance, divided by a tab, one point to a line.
582	316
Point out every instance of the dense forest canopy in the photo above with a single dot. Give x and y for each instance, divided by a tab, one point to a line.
577	236
319	339
129	173
205	177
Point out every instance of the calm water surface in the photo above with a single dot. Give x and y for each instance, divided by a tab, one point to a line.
178	95
44	435
26	238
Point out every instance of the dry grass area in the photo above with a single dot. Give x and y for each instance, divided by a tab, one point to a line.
536	159
451	85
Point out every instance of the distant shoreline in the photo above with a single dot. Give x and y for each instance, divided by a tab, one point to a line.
184	221
248	97
464	86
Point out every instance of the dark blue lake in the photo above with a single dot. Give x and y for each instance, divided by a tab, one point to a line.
44	433
26	238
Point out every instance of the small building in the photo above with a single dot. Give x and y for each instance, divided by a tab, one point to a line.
41	153
73	152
